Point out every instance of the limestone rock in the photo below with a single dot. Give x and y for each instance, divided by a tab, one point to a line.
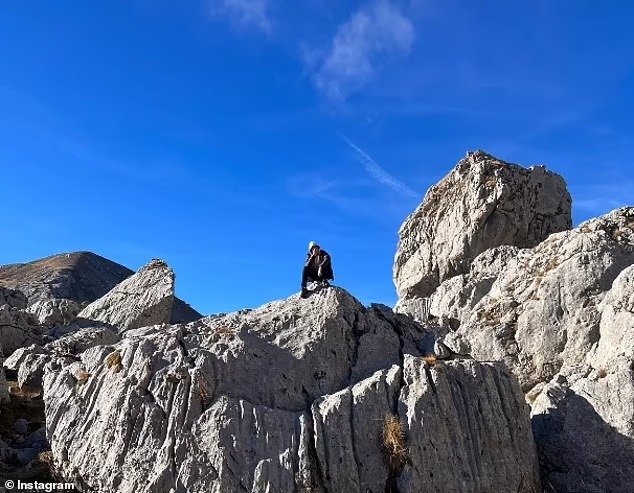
348	433
542	314
559	312
28	363
288	397
468	429
599	401
82	277
483	203
144	299
55	312
17	329
13	298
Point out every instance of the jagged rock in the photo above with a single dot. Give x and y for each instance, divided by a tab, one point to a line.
144	299
468	429
598	401
348	433
264	400
13	297
558	310
82	277
83	339
29	363
483	203
17	329
55	312
542	314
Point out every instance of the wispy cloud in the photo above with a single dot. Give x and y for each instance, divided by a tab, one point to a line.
376	172
244	14
362	46
603	197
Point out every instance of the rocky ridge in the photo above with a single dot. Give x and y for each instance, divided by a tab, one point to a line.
484	202
556	313
502	304
291	396
80	277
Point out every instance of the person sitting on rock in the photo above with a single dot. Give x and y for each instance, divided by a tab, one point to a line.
318	267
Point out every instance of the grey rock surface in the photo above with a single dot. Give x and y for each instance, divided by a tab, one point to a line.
28	362
483	203
560	316
79	276
291	396
468	429
599	400
13	297
54	312
144	299
542	314
17	329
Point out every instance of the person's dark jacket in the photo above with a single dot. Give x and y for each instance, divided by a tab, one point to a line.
321	259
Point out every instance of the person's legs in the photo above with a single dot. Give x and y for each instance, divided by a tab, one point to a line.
308	274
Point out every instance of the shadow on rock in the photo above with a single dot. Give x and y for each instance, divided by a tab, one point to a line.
591	456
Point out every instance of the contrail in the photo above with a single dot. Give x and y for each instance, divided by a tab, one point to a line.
378	173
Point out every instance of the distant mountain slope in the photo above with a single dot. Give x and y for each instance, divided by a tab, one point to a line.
79	276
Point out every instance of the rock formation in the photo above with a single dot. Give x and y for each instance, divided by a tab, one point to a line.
81	277
17	329
146	298
55	312
555	310
502	305
482	203
292	396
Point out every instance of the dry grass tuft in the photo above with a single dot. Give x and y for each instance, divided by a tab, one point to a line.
203	392
83	377
46	457
24	391
113	360
394	442
430	359
225	330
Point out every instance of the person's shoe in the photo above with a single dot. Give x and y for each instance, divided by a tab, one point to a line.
305	293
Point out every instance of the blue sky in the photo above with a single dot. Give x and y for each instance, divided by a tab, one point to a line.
224	135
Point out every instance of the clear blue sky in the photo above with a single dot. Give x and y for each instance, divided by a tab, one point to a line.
220	135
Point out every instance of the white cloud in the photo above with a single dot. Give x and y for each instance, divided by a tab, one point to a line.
378	173
244	14
362	45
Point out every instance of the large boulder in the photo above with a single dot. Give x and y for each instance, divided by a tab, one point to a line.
468	429
13	297
55	312
292	396
144	299
17	329
483	203
541	315
560	315
598	400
